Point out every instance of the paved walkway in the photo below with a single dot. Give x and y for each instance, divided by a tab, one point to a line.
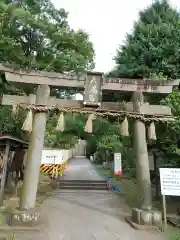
85	215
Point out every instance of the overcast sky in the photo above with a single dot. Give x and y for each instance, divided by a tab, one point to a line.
106	21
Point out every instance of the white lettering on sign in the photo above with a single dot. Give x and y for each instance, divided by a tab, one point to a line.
170	181
117	164
93	91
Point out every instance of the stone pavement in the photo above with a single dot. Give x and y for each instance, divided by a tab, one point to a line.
85	215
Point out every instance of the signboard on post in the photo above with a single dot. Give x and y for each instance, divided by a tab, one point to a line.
117	164
93	91
51	157
170	186
170	181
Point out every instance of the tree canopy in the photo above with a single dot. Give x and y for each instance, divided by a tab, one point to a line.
36	35
152	49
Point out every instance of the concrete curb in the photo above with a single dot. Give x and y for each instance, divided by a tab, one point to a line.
7	229
142	227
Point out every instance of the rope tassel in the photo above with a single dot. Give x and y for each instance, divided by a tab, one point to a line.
14	109
27	125
124	128
60	124
89	124
152	132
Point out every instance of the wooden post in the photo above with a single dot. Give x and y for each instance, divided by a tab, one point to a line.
4	172
141	154
164	212
32	168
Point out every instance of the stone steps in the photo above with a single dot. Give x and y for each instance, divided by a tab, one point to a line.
82	184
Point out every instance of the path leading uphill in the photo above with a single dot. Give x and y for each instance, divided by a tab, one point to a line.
85	215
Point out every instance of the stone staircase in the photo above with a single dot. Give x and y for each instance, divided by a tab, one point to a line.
82	184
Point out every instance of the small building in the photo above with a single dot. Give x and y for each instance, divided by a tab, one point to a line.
12	151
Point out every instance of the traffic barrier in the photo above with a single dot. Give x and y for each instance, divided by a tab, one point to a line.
54	169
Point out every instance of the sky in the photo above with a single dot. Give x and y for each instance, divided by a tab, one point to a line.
107	22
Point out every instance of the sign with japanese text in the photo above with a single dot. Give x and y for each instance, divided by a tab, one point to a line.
170	181
92	91
51	157
117	164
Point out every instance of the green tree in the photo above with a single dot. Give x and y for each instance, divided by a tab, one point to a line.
169	133
11	124
36	35
152	49
104	140
74	129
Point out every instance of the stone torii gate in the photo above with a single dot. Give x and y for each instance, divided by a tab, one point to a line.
94	84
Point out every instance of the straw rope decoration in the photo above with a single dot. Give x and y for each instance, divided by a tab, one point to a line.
14	109
102	113
152	132
27	125
89	124
124	128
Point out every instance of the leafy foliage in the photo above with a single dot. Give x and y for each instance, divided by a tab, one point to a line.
107	146
105	140
169	134
35	35
109	143
11	124
58	139
152	50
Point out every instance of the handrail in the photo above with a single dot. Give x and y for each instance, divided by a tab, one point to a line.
110	183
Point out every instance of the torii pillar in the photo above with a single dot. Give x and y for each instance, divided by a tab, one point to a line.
141	155
28	213
143	214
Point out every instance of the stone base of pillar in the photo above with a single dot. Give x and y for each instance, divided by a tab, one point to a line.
141	219
27	218
54	183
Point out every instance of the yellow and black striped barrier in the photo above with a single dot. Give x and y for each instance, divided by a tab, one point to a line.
53	170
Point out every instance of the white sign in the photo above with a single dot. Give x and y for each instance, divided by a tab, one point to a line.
51	157
117	164
170	181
